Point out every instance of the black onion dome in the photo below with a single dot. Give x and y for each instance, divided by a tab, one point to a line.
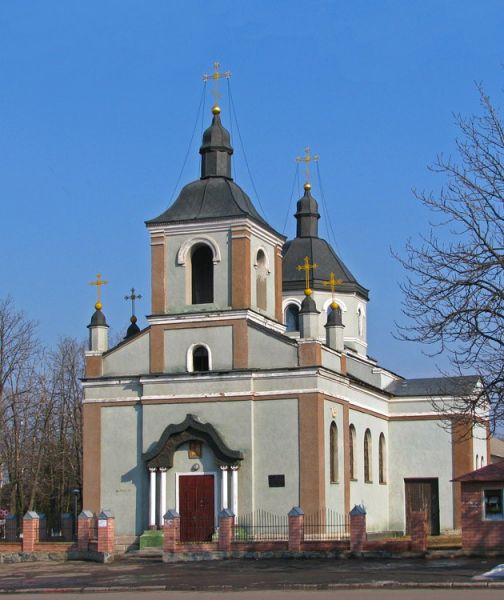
216	137
321	253
334	317
307	216
133	329
98	319
308	305
214	195
318	250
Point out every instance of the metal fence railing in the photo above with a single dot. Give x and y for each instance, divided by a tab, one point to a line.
261	525
326	524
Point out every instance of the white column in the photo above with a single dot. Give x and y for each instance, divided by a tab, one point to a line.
152	504
234	490
224	487
162	496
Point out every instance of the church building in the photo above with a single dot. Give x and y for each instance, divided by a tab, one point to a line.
251	387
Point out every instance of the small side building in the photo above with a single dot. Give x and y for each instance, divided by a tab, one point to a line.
483	509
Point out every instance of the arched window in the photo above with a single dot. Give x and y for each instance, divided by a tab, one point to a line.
261	281
333	452
353	454
200	359
477	462
202	274
382	457
482	461
292	317
367	456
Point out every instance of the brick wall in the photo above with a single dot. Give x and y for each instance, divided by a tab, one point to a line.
479	534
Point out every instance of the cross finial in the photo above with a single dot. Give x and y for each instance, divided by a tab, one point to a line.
215	76
307	159
332	283
132	297
307	267
98	283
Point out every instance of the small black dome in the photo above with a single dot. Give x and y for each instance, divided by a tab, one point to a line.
216	137
308	306
133	329
98	319
334	317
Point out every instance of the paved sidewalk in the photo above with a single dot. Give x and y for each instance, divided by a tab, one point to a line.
136	573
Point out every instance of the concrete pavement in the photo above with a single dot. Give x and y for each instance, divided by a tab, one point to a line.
137	573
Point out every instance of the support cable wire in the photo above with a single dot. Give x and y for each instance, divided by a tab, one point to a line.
296	178
329	227
243	151
233	168
175	187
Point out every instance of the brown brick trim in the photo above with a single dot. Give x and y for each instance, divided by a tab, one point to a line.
91	445
310	354
311	452
156	340
278	284
240	345
94	366
158	275
462	461
240	269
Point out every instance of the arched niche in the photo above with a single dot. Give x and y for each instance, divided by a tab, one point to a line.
161	456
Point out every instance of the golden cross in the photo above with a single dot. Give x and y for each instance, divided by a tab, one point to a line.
215	76
307	159
98	283
332	283
307	267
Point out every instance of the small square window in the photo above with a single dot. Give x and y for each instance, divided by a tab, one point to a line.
195	449
493	504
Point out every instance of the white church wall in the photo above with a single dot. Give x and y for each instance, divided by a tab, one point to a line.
125	389
257	244
186	385
419	449
276	452
124	484
335	492
267	352
132	358
233	422
480	447
177	342
179	276
374	496
358	396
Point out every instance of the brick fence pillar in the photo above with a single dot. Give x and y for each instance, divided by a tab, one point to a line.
11	534
357	528
226	529
418	531
171	530
296	529
30	531
84	521
106	532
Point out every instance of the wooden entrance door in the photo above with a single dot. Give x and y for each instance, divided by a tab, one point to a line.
196	507
423	495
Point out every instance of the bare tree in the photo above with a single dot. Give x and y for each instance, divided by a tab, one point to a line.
40	417
454	291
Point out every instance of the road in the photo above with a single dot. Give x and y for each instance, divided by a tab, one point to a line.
281	595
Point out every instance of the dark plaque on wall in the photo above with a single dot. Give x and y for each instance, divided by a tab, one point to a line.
276	480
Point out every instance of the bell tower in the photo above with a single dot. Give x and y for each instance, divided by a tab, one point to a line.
212	250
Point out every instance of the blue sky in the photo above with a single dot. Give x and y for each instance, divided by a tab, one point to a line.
98	100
